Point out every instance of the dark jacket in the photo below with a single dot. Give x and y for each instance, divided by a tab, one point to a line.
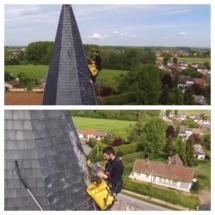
114	170
98	62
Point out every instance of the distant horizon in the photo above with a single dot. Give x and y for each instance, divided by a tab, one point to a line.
182	25
179	47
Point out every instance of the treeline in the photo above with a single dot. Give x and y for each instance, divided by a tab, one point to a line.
112	57
133	115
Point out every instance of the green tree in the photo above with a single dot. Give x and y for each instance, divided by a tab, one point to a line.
190	123
154	137
190	151
166	59
147	84
175	60
206	140
188	96
180	148
168	147
39	52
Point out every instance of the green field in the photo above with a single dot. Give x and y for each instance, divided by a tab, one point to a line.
193	112
32	71
191	60
107	76
106	125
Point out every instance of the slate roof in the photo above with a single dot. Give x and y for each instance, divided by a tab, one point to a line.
68	81
164	170
51	161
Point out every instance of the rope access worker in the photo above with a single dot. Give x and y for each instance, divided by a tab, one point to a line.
113	170
95	66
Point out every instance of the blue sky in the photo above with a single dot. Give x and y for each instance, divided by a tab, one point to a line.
134	25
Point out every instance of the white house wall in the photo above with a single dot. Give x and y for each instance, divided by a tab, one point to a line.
179	185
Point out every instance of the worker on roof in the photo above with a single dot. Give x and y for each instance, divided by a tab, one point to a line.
98	60
113	170
95	65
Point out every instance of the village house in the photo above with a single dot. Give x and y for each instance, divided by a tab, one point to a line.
199	152
196	132
185	81
199	100
86	134
182	65
205	124
185	132
163	174
11	84
200	82
175	160
181	117
196	118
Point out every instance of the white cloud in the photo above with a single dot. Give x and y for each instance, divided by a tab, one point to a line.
127	35
182	33
98	36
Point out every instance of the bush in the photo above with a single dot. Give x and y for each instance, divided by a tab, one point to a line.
117	142
120	99
92	142
167	195
195	186
120	150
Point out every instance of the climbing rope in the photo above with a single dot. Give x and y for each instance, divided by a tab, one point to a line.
26	186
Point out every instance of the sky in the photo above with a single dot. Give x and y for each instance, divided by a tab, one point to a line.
131	25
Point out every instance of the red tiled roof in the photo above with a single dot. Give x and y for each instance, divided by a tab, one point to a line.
199	81
196	131
175	160
91	132
164	170
14	83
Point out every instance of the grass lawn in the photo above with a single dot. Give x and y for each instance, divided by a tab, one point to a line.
107	76
107	125
195	112
191	60
194	60
32	71
110	77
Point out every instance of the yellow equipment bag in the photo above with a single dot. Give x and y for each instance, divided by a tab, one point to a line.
93	70
101	194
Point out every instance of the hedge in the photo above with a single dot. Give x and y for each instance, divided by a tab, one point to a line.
171	196
124	98
120	150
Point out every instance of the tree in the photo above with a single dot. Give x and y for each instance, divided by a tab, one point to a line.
175	60
167	112
188	96
192	72
170	132
168	147
190	123
190	151
166	59
154	137
206	141
39	52
180	148
167	80
179	97
147	84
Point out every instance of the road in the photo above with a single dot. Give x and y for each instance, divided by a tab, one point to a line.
128	203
